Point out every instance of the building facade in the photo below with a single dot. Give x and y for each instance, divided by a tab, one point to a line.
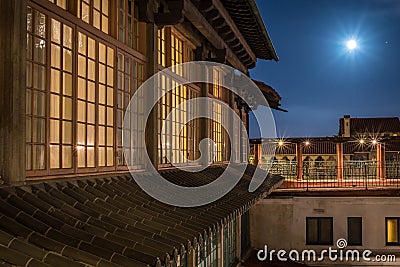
343	188
68	69
365	150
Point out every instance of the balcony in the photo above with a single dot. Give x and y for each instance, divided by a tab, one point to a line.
357	174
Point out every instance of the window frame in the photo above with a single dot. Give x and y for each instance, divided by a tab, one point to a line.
319	242
360	237
386	231
52	11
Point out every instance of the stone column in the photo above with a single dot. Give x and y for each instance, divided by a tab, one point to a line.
12	90
339	154
151	134
299	159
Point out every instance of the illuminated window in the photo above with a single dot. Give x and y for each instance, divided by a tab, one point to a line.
162	60
105	106
86	101
128	25
217	129
181	140
392	231
71	102
36	78
60	3
319	231
130	76
95	12
176	53
61	96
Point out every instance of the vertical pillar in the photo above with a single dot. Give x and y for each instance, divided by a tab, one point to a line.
299	159
191	257
238	236
339	154
381	161
257	154
12	90
151	135
204	123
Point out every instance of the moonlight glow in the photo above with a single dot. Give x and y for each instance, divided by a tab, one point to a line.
351	44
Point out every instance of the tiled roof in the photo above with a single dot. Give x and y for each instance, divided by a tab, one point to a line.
110	221
270	94
371	125
247	17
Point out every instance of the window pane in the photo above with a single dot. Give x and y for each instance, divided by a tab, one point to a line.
55	81
54	131
90	135
55	31
326	231
54	156
67	84
67	63
67	132
102	156
67	108
55	56
39	157
81	134
67	157
392	230
54	106
312	231
39	131
354	231
90	157
81	157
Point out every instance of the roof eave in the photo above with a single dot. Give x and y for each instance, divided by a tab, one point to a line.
257	14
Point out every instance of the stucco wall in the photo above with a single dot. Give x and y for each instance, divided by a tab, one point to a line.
280	223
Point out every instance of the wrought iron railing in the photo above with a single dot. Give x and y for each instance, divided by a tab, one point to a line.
355	174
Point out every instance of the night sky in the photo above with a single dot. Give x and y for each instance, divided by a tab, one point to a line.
319	79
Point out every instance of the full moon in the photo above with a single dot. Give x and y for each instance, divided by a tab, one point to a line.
351	44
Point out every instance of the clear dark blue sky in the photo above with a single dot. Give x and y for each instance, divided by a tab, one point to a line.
318	79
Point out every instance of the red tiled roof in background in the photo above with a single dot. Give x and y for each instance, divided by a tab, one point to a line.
371	125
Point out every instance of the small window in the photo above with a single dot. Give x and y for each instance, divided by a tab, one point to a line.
319	231
354	231
392	231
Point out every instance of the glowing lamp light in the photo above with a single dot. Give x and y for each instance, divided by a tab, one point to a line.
280	143
374	142
307	143
362	141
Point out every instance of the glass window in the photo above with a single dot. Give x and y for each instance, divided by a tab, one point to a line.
354	231
162	60
128	24
177	52
86	123
392	231
36	90
60	3
218	132
319	231
95	12
61	96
